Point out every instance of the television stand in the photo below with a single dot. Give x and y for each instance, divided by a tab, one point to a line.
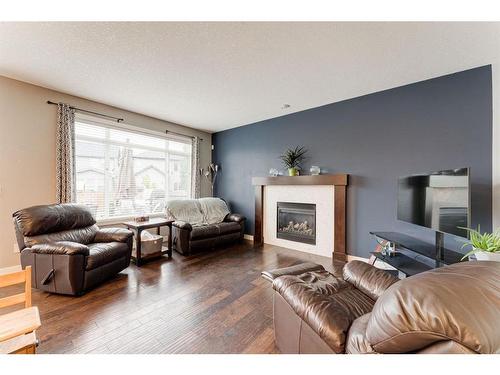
413	255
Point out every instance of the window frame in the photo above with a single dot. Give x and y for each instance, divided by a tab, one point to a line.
107	124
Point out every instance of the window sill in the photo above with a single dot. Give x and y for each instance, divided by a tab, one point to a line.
119	220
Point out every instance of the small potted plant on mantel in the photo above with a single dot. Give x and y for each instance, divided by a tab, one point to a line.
292	158
485	246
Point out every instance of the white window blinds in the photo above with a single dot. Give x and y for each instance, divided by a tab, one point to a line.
121	172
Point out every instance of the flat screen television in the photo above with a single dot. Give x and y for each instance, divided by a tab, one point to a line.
438	200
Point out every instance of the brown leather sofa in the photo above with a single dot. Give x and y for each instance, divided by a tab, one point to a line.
188	239
67	251
202	224
453	309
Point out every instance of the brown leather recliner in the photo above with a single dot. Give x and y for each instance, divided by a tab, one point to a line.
453	309
67	251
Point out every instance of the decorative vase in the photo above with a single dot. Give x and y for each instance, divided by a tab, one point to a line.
315	170
293	171
485	255
273	172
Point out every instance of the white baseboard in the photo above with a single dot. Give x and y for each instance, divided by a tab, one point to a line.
11	269
248	237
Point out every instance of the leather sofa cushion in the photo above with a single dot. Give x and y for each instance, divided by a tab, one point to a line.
459	302
204	231
81	235
214	230
327	304
370	280
52	218
103	253
229	227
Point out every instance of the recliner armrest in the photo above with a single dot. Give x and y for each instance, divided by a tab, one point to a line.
371	280
61	248
237	218
113	235
182	225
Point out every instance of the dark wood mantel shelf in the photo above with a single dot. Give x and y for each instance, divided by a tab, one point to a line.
322	179
338	181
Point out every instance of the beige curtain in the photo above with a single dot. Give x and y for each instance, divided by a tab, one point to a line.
65	154
195	168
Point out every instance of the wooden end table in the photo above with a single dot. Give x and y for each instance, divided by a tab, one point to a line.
138	226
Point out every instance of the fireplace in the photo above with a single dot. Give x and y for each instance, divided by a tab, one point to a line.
296	222
328	192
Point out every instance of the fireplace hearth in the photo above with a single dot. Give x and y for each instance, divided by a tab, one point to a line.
296	222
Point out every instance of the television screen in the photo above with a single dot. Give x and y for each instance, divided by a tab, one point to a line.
439	200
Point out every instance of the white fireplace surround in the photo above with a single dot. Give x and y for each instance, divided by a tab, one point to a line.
320	195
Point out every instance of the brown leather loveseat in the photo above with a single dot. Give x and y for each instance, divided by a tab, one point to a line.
67	251
453	309
203	224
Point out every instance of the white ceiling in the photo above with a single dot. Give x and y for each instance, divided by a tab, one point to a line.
215	76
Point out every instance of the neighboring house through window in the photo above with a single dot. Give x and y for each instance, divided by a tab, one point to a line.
122	171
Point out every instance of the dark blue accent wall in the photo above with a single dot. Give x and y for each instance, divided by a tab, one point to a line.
441	123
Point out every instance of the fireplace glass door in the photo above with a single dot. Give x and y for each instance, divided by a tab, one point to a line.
297	222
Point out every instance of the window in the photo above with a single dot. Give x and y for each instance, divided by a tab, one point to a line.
122	172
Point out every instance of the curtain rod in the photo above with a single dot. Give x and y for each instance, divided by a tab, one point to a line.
86	111
116	118
184	135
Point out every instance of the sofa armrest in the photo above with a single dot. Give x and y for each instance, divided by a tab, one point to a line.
113	235
367	278
61	248
298	269
237	218
182	225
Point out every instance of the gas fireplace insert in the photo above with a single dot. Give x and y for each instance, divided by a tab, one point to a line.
296	222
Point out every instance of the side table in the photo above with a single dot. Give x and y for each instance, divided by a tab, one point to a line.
137	227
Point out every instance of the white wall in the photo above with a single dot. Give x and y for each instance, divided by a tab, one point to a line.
27	150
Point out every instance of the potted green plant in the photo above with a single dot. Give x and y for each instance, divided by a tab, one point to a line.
485	246
292	158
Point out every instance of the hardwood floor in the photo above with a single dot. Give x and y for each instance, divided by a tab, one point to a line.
210	303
